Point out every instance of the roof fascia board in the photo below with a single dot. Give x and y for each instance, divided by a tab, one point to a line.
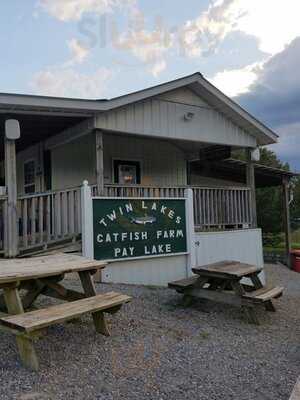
47	112
40	102
237	109
151	92
11	102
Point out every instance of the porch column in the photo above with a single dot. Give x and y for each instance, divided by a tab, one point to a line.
99	163
286	220
12	132
250	180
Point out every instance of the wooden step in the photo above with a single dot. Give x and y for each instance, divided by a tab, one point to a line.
35	320
182	284
264	294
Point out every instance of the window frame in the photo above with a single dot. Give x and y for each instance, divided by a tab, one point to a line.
116	162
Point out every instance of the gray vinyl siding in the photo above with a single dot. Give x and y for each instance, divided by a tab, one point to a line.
74	162
163	118
183	96
162	163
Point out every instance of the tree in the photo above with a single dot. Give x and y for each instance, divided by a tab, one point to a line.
295	205
269	199
269	158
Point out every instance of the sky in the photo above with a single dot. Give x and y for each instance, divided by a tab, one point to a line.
249	49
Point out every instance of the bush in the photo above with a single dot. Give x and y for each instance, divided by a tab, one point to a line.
272	239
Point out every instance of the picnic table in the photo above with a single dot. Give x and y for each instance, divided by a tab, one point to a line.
223	282
42	276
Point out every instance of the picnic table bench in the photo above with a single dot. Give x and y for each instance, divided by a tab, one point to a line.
42	276
222	282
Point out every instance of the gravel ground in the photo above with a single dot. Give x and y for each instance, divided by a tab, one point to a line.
161	350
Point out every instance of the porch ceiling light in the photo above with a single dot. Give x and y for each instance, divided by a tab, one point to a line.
12	129
189	116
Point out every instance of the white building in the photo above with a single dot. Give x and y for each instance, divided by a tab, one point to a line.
155	142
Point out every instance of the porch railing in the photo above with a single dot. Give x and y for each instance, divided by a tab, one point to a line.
49	217
222	208
55	216
140	191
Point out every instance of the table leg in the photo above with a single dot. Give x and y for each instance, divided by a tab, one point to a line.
269	306
90	290
249	311
2	304
187	298
33	292
58	291
24	343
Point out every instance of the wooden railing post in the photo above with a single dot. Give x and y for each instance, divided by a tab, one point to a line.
250	177
99	163
191	257
12	132
286	220
87	220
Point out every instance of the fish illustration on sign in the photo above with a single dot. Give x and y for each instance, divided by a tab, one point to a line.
143	220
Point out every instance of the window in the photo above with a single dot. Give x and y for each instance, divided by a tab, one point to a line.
29	177
127	172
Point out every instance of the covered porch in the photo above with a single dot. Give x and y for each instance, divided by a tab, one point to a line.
48	217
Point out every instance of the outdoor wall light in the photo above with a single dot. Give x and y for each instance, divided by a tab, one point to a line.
189	116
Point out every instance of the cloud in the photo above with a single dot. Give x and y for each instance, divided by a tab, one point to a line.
74	10
149	47
79	52
236	81
275	99
274	25
203	34
288	147
275	95
67	82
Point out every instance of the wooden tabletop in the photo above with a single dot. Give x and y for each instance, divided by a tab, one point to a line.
227	269
42	267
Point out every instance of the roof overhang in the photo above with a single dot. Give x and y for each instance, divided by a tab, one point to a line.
235	170
42	105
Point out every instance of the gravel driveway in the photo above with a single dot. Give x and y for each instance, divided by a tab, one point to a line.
161	350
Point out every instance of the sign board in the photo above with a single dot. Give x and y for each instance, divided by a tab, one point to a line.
126	228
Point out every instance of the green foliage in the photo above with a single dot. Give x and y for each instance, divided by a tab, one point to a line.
295	205
269	209
272	240
269	199
269	158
